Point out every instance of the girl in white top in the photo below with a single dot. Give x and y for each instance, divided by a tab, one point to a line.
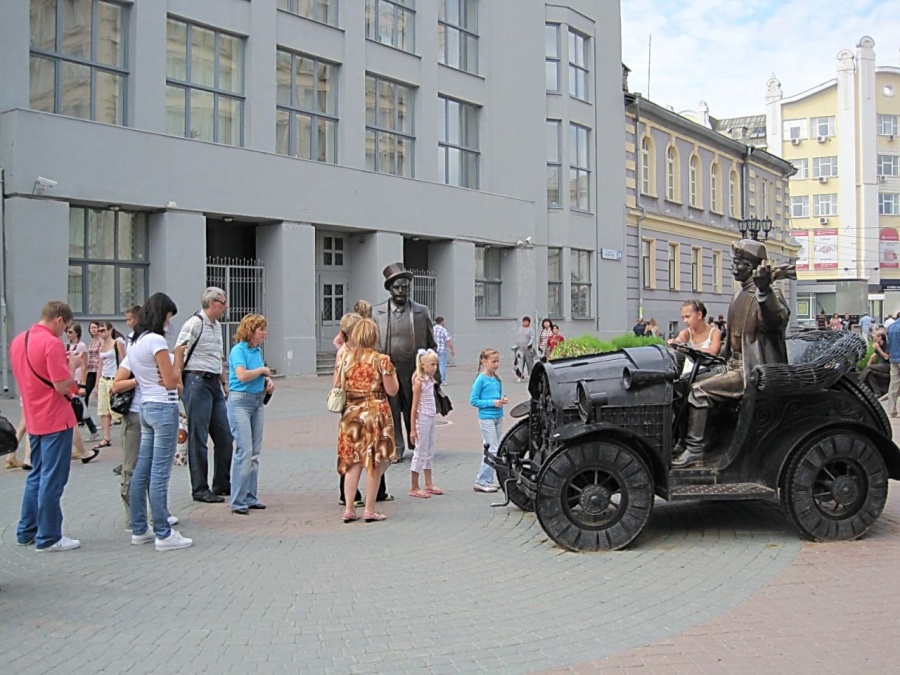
111	353
150	363
698	334
422	427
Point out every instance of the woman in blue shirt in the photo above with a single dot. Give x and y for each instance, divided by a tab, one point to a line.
249	381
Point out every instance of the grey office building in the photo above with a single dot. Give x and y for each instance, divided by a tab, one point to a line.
289	149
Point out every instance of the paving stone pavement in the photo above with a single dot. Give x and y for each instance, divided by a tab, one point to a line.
446	585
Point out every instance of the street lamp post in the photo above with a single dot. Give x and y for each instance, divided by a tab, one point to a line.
753	226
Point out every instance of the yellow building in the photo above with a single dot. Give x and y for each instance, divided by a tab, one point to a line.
842	137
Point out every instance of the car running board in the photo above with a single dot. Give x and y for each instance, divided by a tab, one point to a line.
723	492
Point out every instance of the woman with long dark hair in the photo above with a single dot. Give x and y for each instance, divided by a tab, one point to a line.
150	362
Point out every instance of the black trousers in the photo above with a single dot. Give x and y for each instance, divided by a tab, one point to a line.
382	490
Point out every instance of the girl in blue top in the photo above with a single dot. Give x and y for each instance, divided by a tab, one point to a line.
249	380
487	396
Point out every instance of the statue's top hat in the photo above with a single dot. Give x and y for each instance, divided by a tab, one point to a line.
749	249
395	271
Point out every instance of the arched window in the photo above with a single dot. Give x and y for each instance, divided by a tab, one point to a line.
672	186
647	182
733	194
694	181
714	203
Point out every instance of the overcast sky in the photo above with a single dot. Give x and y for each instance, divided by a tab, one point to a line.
724	51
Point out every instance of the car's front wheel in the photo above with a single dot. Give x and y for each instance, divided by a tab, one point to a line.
594	496
835	487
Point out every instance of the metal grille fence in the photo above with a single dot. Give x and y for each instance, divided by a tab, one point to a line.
244	284
424	289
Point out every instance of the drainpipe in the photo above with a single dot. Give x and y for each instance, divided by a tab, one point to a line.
4	337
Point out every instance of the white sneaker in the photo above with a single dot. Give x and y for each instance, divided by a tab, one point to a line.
173	520
172	542
145	538
64	544
484	488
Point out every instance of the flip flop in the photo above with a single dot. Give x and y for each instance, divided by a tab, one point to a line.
370	517
350	516
434	490
422	494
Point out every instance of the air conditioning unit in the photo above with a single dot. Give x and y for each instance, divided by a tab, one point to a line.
821	139
823	221
823	179
891	137
795	141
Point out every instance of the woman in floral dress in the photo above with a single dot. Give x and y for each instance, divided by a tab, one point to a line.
366	432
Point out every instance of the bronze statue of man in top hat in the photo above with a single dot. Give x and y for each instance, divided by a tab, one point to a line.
404	327
757	318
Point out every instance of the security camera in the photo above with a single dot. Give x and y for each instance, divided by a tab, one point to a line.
528	240
520	244
46	182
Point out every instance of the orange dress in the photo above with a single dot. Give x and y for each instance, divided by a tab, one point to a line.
366	431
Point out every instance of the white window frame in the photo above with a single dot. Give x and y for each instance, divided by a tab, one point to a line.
795	130
802	166
674	266
717	271
888	125
822	126
733	193
714	201
799	206
648	266
694	190
672	184
825	167
825	205
696	269
888	204
888	165
647	159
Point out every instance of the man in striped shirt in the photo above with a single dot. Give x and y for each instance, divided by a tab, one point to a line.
444	342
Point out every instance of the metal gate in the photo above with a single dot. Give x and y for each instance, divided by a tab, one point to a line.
424	287
244	284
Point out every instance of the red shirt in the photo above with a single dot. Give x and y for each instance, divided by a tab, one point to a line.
552	341
46	410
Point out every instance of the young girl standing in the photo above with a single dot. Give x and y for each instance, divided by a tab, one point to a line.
422	427
487	396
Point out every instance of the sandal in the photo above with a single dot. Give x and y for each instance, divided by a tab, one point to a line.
434	490
423	494
350	516
371	517
105	443
13	464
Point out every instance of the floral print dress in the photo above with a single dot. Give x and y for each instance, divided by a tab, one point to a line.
366	431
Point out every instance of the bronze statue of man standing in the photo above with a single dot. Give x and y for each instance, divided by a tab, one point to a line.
757	318
404	327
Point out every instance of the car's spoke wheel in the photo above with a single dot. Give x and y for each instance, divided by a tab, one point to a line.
594	496
835	487
515	446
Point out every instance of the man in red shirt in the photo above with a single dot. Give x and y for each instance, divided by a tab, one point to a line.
41	369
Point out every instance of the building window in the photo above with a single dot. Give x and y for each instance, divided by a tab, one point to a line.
554	282
332	251
323	11
204	83
306	114
802	166
647	157
825	205
693	181
672	186
389	127
551	53
763	205
888	204
578	65
108	264
581	283
78	62
579	168
733	194
696	269
826	167
674	271
821	126
458	143
458	34
887	125
392	22
795	130
717	271
554	164
714	203
799	206
487	281
647	263
888	165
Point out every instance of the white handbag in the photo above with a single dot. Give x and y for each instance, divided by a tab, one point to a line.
336	397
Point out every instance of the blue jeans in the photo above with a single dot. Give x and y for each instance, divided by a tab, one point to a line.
246	417
491	430
204	403
41	519
442	365
159	439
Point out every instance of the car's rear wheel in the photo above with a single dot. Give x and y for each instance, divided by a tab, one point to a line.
594	496
513	447
835	487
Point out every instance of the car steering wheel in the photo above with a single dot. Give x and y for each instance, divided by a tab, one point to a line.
698	356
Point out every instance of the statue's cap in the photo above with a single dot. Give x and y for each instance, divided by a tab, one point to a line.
749	249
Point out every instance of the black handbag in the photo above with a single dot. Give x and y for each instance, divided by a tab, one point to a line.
442	401
8	439
120	401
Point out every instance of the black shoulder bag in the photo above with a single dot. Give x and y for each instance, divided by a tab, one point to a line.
77	405
120	401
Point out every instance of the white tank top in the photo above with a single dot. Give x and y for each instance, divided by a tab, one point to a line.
689	362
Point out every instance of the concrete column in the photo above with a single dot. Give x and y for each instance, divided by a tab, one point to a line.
453	262
178	260
849	229
288	250
259	78
867	209
146	81
14	54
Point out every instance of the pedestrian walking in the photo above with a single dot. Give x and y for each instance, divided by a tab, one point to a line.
422	434
487	395
444	346
525	348
39	364
893	343
111	354
205	380
77	353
